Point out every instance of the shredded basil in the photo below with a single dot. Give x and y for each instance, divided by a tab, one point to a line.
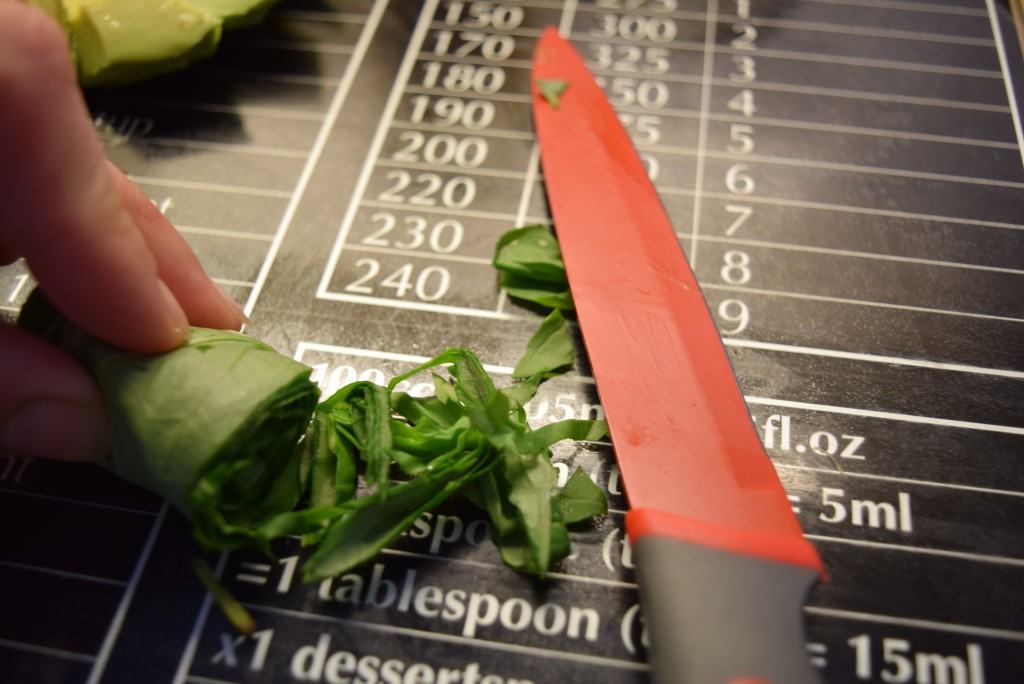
531	267
230	432
550	351
551	90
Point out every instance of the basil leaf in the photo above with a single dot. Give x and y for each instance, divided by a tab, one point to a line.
517	553
415	446
333	465
551	90
529	480
524	480
426	410
523	391
574	429
550	350
531	268
546	296
359	413
372	522
531	252
581	499
485	493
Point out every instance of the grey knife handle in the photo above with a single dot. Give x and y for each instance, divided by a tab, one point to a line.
716	617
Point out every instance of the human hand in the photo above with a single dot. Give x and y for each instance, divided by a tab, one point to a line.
101	252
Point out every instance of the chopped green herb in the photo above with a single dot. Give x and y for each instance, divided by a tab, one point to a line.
549	352
473	438
581	499
230	432
551	90
531	267
234	611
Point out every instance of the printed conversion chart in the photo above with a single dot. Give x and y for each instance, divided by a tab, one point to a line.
846	179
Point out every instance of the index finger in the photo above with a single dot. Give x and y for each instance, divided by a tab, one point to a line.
61	211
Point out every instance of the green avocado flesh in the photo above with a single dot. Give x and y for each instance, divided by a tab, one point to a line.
236	12
115	42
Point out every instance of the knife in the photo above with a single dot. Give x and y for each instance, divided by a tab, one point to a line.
721	563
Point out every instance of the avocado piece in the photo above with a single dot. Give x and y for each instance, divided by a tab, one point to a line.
121	41
236	13
115	42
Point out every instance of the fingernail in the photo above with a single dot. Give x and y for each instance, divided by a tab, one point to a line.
176	318
55	428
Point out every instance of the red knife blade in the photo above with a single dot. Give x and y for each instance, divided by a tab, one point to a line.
722	565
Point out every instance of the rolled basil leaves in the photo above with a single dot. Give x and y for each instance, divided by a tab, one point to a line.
212	426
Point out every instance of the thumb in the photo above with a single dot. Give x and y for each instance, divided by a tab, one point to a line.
49	407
